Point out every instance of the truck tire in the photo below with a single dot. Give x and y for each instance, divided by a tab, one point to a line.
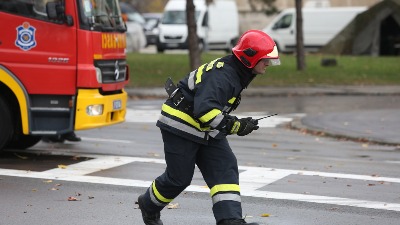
10	136
160	49
23	141
6	125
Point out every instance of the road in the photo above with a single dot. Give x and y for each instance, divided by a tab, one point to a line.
287	176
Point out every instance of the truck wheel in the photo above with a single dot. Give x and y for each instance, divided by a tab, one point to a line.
160	49
232	44
23	141
201	46
6	129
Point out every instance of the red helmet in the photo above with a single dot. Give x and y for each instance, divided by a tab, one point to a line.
254	45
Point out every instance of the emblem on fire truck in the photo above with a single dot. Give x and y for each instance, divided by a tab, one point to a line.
26	37
116	72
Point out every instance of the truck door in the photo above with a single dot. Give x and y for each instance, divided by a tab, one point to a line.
40	52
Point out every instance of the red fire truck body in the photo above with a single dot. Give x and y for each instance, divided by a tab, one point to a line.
62	68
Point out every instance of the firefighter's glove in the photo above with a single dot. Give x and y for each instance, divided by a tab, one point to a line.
244	126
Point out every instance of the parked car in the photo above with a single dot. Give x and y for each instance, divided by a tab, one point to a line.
135	22
151	27
217	25
320	25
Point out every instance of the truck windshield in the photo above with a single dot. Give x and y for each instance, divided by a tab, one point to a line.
176	17
103	15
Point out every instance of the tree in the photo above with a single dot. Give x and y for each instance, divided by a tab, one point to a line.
270	6
193	40
301	65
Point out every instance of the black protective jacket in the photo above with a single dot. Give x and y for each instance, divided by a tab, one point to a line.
212	91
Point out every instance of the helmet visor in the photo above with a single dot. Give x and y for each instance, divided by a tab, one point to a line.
274	62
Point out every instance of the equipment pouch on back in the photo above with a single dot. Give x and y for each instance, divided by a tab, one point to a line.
170	88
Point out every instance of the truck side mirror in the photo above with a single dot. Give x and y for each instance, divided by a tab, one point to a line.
56	11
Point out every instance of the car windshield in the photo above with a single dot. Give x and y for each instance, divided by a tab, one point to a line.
176	17
103	14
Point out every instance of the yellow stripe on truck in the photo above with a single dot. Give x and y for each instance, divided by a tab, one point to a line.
87	97
11	82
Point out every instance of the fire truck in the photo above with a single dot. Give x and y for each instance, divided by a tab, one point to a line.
62	68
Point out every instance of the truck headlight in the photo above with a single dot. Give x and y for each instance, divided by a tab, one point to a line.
99	75
94	110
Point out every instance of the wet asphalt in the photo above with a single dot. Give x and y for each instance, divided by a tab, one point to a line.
379	124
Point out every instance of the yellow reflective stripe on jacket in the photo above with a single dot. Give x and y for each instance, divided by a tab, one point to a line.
199	73
158	195
232	100
181	126
210	115
181	115
224	187
217	120
211	64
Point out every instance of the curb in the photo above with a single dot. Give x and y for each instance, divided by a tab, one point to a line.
159	92
296	124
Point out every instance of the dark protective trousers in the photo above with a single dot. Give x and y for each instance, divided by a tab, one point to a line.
216	162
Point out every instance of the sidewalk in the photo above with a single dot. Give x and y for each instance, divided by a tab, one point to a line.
376	126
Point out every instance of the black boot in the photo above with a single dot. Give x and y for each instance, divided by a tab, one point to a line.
71	137
53	139
149	218
235	222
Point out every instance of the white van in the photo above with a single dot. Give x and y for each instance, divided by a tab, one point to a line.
320	25
217	25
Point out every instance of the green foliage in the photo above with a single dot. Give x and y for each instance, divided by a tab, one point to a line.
151	70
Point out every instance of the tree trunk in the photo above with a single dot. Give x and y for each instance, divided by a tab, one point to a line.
193	41
301	64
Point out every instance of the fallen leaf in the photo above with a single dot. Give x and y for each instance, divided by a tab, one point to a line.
62	166
91	197
173	206
53	189
47	181
72	199
265	215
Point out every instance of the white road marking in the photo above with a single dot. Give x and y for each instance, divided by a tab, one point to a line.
142	116
152	115
106	140
251	179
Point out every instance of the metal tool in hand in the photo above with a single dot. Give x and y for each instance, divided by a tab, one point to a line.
266	117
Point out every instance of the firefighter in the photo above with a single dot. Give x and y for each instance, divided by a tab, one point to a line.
194	123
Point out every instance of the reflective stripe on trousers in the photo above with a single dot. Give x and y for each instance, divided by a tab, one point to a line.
216	162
